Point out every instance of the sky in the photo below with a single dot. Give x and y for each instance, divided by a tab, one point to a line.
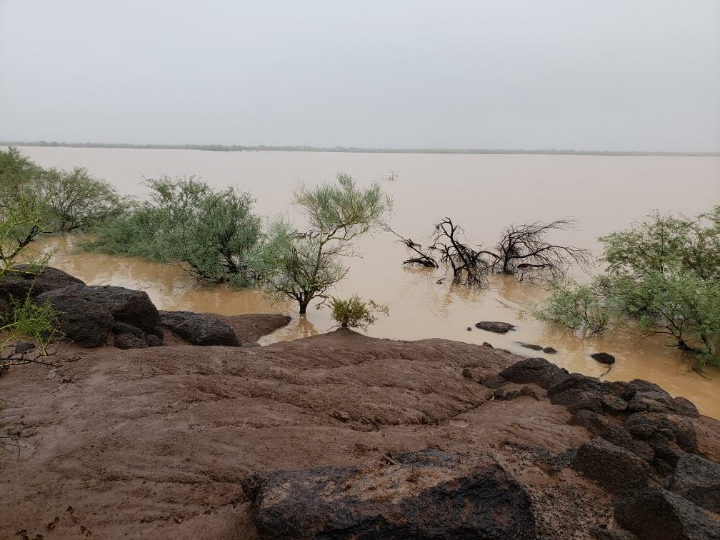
619	75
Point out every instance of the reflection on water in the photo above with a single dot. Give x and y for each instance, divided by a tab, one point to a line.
482	193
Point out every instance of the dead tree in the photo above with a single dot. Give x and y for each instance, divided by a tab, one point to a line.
522	251
422	258
470	267
525	251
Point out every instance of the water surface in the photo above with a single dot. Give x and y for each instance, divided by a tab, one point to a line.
482	193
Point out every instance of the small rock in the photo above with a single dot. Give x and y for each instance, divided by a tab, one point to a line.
549	350
469	329
23	347
603	358
495	326
488	345
343	416
507	395
530	346
128	341
467	373
496	381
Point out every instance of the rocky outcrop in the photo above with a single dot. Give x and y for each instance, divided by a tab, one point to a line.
83	322
654	513
426	494
199	329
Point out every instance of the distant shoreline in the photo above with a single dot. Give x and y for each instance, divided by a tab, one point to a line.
351	150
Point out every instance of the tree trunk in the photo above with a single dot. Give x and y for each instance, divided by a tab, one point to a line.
303	307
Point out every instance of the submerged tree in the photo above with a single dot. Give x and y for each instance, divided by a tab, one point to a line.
469	266
76	200
64	200
665	275
207	232
522	250
304	265
525	249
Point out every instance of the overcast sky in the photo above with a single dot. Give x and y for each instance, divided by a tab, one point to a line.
565	74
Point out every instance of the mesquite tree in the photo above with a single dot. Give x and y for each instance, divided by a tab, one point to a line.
305	264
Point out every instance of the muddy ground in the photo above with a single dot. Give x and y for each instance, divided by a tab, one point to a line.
154	443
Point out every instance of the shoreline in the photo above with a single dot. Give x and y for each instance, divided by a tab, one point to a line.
357	150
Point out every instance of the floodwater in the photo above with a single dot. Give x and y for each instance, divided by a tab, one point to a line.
482	193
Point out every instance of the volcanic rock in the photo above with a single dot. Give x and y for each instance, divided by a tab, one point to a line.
428	494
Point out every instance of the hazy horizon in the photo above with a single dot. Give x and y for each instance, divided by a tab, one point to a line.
642	76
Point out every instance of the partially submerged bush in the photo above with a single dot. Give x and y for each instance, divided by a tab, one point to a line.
77	200
207	232
354	312
575	306
665	275
63	200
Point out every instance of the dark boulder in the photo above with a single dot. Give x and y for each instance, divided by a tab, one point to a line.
534	370
84	322
125	305
428	494
614	468
603	358
495	326
656	514
199	329
22	280
549	350
698	480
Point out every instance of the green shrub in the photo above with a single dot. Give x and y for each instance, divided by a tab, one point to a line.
664	274
305	264
354	312
575	306
209	233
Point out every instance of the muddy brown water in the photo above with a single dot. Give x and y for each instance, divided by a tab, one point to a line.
482	193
